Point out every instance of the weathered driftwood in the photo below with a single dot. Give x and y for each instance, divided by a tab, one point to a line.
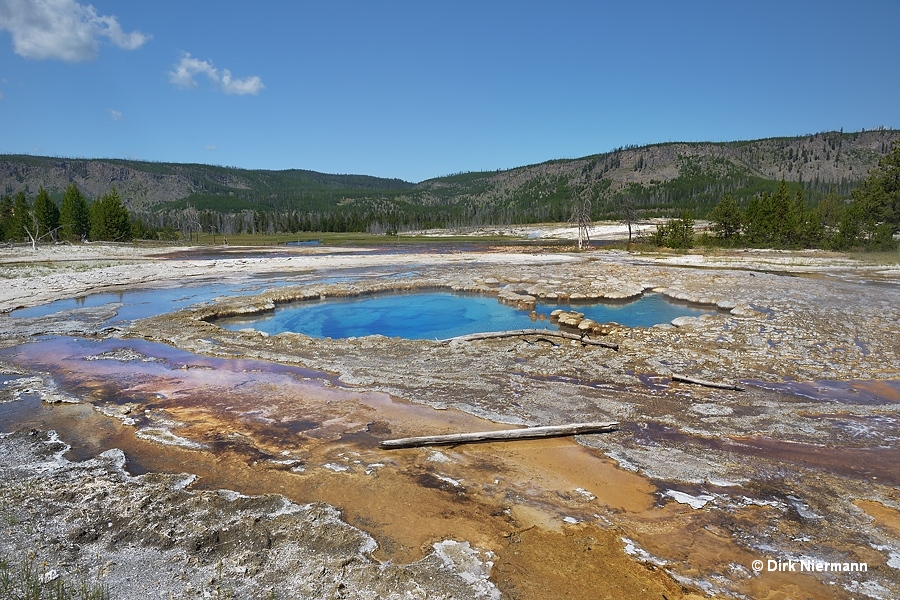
521	332
712	384
501	435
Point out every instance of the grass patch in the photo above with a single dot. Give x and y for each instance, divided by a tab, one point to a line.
890	258
28	580
339	239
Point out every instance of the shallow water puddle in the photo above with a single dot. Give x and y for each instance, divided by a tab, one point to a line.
142	302
858	391
870	459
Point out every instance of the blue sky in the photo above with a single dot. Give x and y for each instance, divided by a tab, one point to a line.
421	89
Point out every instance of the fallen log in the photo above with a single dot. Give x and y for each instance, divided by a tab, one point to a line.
543	339
500	435
711	384
520	332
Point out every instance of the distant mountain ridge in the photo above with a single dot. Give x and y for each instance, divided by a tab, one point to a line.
145	184
656	177
654	173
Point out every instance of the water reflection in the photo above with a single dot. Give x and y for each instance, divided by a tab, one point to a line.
179	398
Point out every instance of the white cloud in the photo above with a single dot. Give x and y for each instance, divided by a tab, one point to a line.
115	114
62	29
210	147
1	96
248	85
188	68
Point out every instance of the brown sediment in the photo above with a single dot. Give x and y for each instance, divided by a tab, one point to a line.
577	563
703	540
407	506
511	499
887	390
270	429
407	499
885	517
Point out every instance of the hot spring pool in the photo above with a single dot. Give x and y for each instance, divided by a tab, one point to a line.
440	315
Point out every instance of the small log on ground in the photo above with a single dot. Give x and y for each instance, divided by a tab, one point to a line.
501	435
520	332
711	384
543	339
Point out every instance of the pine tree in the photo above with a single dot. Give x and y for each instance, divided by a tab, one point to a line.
784	217
46	215
829	210
849	232
812	224
795	227
21	218
879	196
6	216
726	218
760	220
683	233
677	233
109	218
74	214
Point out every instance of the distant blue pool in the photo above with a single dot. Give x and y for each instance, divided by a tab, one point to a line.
440	315
141	303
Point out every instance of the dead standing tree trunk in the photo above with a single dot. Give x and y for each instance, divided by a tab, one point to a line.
581	218
629	213
35	238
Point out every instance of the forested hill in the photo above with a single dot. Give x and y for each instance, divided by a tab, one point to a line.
656	179
144	185
665	178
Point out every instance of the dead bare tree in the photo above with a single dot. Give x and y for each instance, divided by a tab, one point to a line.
628	212
190	220
35	238
581	218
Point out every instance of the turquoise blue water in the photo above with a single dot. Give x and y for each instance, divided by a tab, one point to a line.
152	301
138	304
440	315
